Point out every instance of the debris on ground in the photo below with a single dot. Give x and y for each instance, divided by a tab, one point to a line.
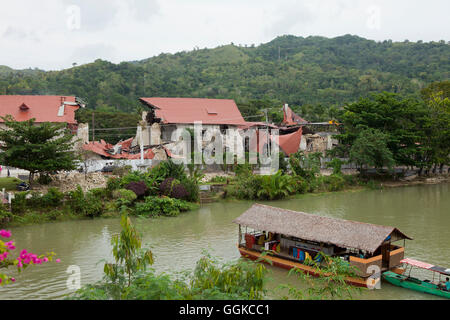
68	181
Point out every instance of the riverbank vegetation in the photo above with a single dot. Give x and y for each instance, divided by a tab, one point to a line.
130	278
165	190
302	177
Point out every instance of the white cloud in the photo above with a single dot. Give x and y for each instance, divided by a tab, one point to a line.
36	33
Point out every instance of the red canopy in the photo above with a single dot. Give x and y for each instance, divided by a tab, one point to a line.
417	263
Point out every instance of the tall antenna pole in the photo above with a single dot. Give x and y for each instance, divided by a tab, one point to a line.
93	127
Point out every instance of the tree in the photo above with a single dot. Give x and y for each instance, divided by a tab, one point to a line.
370	149
435	143
130	258
401	121
45	148
330	283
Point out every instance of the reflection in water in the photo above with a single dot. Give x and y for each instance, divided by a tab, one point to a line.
177	243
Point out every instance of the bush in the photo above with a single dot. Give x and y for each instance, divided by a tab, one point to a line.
125	194
139	188
299	184
53	198
121	171
112	184
246	187
76	199
19	202
218	179
275	186
350	180
5	216
334	182
100	193
87	204
185	190
191	187
179	192
133	176
166	187
93	206
156	206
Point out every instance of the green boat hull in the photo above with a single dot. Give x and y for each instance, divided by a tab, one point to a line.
414	284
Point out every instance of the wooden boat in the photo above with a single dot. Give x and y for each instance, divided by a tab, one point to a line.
289	236
402	278
288	264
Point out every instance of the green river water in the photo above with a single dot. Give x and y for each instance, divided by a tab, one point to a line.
422	212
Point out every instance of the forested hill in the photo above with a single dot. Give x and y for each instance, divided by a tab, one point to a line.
295	70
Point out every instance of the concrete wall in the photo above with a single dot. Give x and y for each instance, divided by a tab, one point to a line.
97	165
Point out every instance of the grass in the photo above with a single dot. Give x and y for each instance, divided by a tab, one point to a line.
9	183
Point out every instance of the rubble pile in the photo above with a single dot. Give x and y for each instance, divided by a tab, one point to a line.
67	181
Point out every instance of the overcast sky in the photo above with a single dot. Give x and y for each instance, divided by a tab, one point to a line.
53	34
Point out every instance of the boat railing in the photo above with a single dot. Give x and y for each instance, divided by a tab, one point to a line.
396	254
365	267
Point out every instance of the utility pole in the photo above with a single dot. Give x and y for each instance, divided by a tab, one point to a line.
93	127
265	112
279	53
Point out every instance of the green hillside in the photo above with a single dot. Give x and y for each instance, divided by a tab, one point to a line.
315	73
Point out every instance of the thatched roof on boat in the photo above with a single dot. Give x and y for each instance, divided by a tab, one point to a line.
312	227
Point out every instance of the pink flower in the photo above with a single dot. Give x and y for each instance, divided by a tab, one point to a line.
13	279
58	260
45	259
5	233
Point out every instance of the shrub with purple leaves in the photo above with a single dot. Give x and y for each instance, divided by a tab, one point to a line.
173	188
165	188
139	188
179	192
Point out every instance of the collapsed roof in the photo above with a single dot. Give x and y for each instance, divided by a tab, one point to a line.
121	150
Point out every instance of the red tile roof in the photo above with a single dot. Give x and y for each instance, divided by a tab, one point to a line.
42	108
190	110
101	147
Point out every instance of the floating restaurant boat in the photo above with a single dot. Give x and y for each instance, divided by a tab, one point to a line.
291	238
400	278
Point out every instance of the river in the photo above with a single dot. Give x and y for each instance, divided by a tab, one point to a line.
421	212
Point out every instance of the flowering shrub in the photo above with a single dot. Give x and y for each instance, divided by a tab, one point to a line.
24	259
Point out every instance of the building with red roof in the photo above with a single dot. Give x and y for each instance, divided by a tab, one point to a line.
180	113
56	109
190	110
